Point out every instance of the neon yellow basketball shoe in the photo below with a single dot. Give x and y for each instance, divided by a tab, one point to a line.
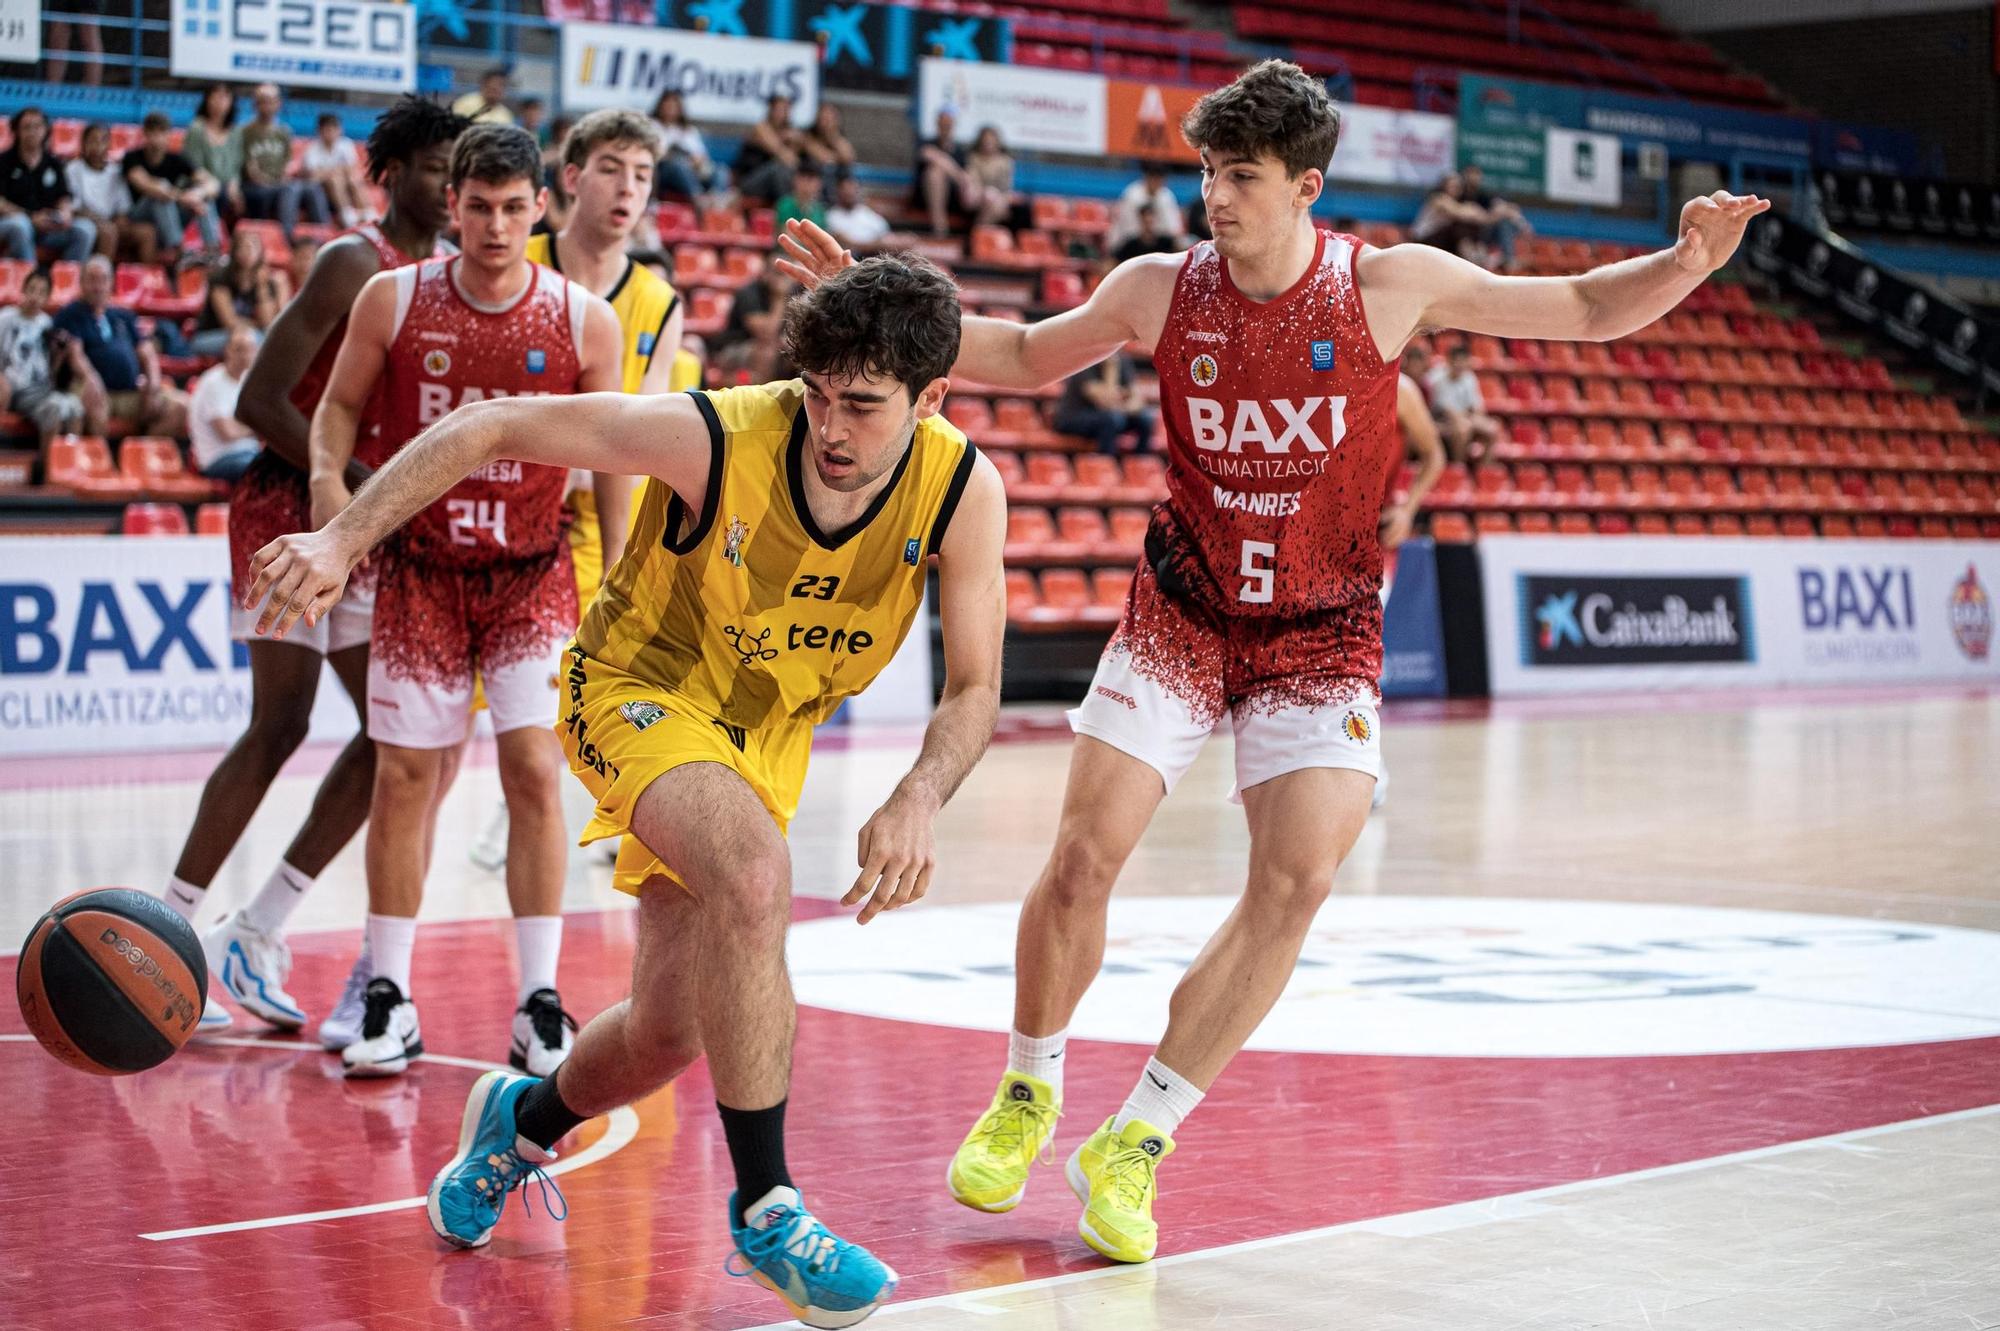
1112	1175
990	1170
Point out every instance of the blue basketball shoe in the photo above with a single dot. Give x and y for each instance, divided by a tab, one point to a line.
468	1194
825	1281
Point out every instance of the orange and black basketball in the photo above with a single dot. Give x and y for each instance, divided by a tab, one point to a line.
111	981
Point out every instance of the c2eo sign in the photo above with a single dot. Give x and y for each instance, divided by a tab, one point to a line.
355	44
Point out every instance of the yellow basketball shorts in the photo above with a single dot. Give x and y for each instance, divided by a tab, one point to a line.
622	733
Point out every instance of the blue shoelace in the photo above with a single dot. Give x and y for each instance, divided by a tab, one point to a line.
818	1249
516	1172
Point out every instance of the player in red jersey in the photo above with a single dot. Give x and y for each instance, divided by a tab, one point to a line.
479	580
1276	346
409	153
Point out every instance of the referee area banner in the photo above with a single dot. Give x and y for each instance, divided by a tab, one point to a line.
1623	614
120	645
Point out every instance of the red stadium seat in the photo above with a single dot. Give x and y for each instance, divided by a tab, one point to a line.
212	520
82	464
155	520
155	464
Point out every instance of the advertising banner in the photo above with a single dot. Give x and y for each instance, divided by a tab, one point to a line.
1583	168
354	44
1637	613
1948	210
20	31
1413	625
1385	147
102	651
722	78
868	47
1041	110
1144	120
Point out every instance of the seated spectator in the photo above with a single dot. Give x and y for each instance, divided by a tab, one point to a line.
557	213
686	172
1145	241
28	342
35	206
1447	221
851	220
752	340
332	163
223	446
243	292
169	190
1459	406
769	155
533	118
213	146
128	363
487	104
807	198
992	169
1504	222
1103	405
942	184
825	144
304	251
269	191
1147	199
98	194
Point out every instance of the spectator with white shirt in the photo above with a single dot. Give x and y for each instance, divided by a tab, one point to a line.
97	191
1147	197
332	162
1459	406
852	222
223	446
31	354
686	171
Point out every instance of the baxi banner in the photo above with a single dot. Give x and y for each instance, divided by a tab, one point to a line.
1640	613
358	45
722	78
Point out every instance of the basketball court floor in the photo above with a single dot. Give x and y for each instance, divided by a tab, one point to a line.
1667	1012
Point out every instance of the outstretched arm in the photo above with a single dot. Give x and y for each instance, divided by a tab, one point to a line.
896	852
1408	287
665	437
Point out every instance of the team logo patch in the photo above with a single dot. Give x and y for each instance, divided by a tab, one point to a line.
1322	355
913	550
1203	371
642	714
732	540
1355	726
645	344
538	360
1971	616
437	364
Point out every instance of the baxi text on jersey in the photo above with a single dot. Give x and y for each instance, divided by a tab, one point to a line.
1277	427
436	401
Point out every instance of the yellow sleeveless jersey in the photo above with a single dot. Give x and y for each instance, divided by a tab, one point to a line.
752	613
642	300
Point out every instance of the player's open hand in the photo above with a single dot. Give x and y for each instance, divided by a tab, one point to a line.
303	576
1712	227
810	254
896	858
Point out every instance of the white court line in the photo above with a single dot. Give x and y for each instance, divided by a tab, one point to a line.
1414	1224
621	1126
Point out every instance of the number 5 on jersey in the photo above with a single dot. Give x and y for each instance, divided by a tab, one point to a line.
1259	567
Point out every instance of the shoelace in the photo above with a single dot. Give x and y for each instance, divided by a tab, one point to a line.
1131	1173
375	1017
813	1245
548	1020
1011	1125
515	1172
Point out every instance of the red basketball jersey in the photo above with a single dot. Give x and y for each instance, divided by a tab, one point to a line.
448	351
1281	428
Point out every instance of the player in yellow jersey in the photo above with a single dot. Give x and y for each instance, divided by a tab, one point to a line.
779	557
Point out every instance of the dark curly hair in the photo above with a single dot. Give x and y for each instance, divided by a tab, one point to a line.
496	155
1275	109
406	129
892	314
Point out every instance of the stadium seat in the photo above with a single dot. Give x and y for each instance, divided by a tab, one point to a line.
1062	289
695	266
1029	532
708	311
1050	479
1097	478
1451	528
155	520
82	464
212	520
1065	596
1128	533
1084	530
1022	595
156	465
1145	478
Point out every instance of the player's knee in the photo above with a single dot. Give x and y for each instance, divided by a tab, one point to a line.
404	774
1292	892
532	776
275	733
755	890
1079	872
662	1042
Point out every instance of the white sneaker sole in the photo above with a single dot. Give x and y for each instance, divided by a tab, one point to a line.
831	1321
388	1067
1078	1184
468	1128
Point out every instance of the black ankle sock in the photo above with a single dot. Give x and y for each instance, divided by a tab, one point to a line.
757	1148
541	1116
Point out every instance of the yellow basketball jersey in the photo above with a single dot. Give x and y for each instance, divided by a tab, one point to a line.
642	300
752	613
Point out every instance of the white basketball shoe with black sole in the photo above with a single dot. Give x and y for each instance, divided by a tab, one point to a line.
543	1034
390	1036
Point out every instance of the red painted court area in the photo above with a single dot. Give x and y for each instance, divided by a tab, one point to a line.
226	1134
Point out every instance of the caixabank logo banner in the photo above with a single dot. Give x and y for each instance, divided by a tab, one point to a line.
1634	619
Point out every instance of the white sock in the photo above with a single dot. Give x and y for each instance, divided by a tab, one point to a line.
1162	1099
539	940
391	940
184	897
1039	1056
277	899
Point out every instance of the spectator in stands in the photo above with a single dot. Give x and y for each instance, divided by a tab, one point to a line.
533	118
751	341
1504	223
685	172
807	198
212	145
31	354
243	292
1459	406
487	104
98	193
826	144
852	222
35	206
169	190
1146	241
1103	405
1147	200
223	446
128	363
332	162
304	250
1197	221
269	190
1447	221
992	169
942	182
1417	365
769	155
556	216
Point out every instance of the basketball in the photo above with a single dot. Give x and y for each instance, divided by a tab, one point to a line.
111	981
